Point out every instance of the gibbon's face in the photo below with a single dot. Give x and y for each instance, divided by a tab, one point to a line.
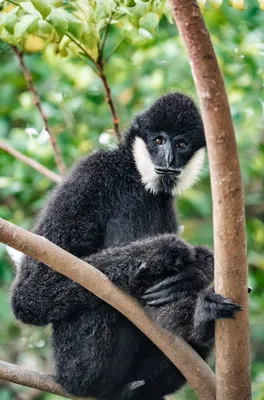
169	145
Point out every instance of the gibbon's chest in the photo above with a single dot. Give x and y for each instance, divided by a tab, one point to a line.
138	215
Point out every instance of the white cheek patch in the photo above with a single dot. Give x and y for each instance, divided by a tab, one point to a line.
16	256
190	173
145	165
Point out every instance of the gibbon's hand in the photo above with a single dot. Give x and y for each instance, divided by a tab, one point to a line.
169	289
211	306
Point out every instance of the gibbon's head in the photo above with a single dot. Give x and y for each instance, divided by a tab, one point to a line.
169	144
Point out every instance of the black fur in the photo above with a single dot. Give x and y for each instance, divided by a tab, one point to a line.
102	204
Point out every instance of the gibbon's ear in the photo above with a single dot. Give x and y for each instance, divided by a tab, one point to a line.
135	126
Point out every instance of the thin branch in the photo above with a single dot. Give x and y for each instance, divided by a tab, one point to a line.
114	50
182	355
85	52
37	103
232	336
29	161
25	377
14	2
101	48
109	99
98	68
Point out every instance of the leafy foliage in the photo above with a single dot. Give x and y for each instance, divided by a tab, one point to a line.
144	58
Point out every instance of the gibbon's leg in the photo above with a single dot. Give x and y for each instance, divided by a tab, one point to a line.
192	316
94	351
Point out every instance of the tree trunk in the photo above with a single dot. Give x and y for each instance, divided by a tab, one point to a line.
232	337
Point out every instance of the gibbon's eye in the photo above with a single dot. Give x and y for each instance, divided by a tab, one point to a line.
182	145
158	140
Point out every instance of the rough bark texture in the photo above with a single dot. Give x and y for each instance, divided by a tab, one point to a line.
232	337
196	371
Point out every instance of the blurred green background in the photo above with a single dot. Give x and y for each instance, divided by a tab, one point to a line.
146	65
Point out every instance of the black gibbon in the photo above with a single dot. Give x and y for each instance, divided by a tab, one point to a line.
115	209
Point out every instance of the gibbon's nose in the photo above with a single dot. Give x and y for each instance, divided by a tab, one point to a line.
163	171
169	158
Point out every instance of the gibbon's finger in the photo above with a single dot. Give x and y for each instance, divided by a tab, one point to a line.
161	294
250	289
166	283
163	301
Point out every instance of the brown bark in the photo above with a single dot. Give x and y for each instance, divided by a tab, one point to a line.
109	99
232	337
29	161
25	377
176	349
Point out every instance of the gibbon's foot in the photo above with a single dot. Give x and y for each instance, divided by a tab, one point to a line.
127	392
166	291
212	306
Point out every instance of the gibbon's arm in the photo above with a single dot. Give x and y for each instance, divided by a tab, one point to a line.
41	295
71	220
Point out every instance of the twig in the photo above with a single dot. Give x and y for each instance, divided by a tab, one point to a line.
109	99
98	68
34	164
191	365
85	52
14	2
37	103
232	336
101	48
114	50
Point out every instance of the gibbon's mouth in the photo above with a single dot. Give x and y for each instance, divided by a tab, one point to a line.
168	171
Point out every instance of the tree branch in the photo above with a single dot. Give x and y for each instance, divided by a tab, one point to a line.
25	377
104	37
176	349
109	55
14	2
85	52
98	68
109	98
37	103
232	337
29	161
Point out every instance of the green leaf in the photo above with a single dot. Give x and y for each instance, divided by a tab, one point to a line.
8	20
24	24
45	26
145	34
10	26
130	3
29	8
59	21
149	21
75	26
5	18
6	37
43	7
